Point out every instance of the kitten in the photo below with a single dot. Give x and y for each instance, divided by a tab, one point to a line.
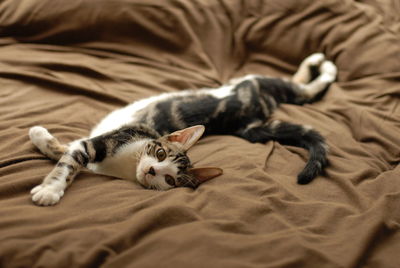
147	140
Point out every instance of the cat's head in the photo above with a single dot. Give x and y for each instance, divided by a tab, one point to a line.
164	164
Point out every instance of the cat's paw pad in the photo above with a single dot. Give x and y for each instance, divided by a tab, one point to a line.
46	195
315	59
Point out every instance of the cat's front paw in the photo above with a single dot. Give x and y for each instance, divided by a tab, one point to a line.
39	135
46	195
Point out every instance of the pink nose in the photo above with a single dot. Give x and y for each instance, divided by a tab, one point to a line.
151	171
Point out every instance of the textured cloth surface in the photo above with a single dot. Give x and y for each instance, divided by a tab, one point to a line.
66	64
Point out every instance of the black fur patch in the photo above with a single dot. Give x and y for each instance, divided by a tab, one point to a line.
205	107
182	161
100	148
282	91
80	157
163	116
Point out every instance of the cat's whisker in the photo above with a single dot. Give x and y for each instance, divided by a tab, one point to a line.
189	181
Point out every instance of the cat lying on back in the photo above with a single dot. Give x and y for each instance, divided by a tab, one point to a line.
147	140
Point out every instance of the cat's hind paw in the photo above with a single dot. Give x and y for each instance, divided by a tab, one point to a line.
46	195
328	71
315	59
308	66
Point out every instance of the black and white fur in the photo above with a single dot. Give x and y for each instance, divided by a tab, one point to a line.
125	143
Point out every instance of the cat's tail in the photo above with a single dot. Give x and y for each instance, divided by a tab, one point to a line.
295	135
305	137
47	143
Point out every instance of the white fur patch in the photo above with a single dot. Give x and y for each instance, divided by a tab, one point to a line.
315	59
275	123
76	145
256	123
123	164
244	78
328	71
221	92
307	128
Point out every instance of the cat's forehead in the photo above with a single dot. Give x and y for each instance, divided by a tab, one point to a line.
172	147
175	152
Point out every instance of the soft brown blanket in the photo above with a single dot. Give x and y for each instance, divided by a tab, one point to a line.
64	64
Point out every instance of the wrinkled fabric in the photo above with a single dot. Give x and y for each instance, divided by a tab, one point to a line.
66	64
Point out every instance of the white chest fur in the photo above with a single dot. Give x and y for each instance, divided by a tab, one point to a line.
123	164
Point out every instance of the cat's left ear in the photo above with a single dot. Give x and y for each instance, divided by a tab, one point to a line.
205	173
187	137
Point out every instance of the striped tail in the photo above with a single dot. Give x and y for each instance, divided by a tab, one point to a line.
305	137
295	135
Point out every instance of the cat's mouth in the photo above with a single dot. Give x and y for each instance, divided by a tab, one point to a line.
146	180
143	178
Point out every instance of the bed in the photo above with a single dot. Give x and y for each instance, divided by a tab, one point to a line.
66	64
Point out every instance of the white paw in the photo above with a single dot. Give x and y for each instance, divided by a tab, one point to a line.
46	195
315	59
328	72
38	134
328	67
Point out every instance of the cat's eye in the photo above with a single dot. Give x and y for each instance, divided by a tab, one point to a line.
169	180
161	154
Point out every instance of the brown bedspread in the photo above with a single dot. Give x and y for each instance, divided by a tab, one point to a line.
64	64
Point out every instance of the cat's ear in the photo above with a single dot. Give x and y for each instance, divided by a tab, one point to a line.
187	137
205	173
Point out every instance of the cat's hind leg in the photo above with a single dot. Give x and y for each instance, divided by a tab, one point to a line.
327	76
304	73
325	70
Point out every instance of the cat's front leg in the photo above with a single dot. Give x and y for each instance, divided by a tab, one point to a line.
53	186
50	191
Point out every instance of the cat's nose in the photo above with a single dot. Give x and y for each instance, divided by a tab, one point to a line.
152	171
